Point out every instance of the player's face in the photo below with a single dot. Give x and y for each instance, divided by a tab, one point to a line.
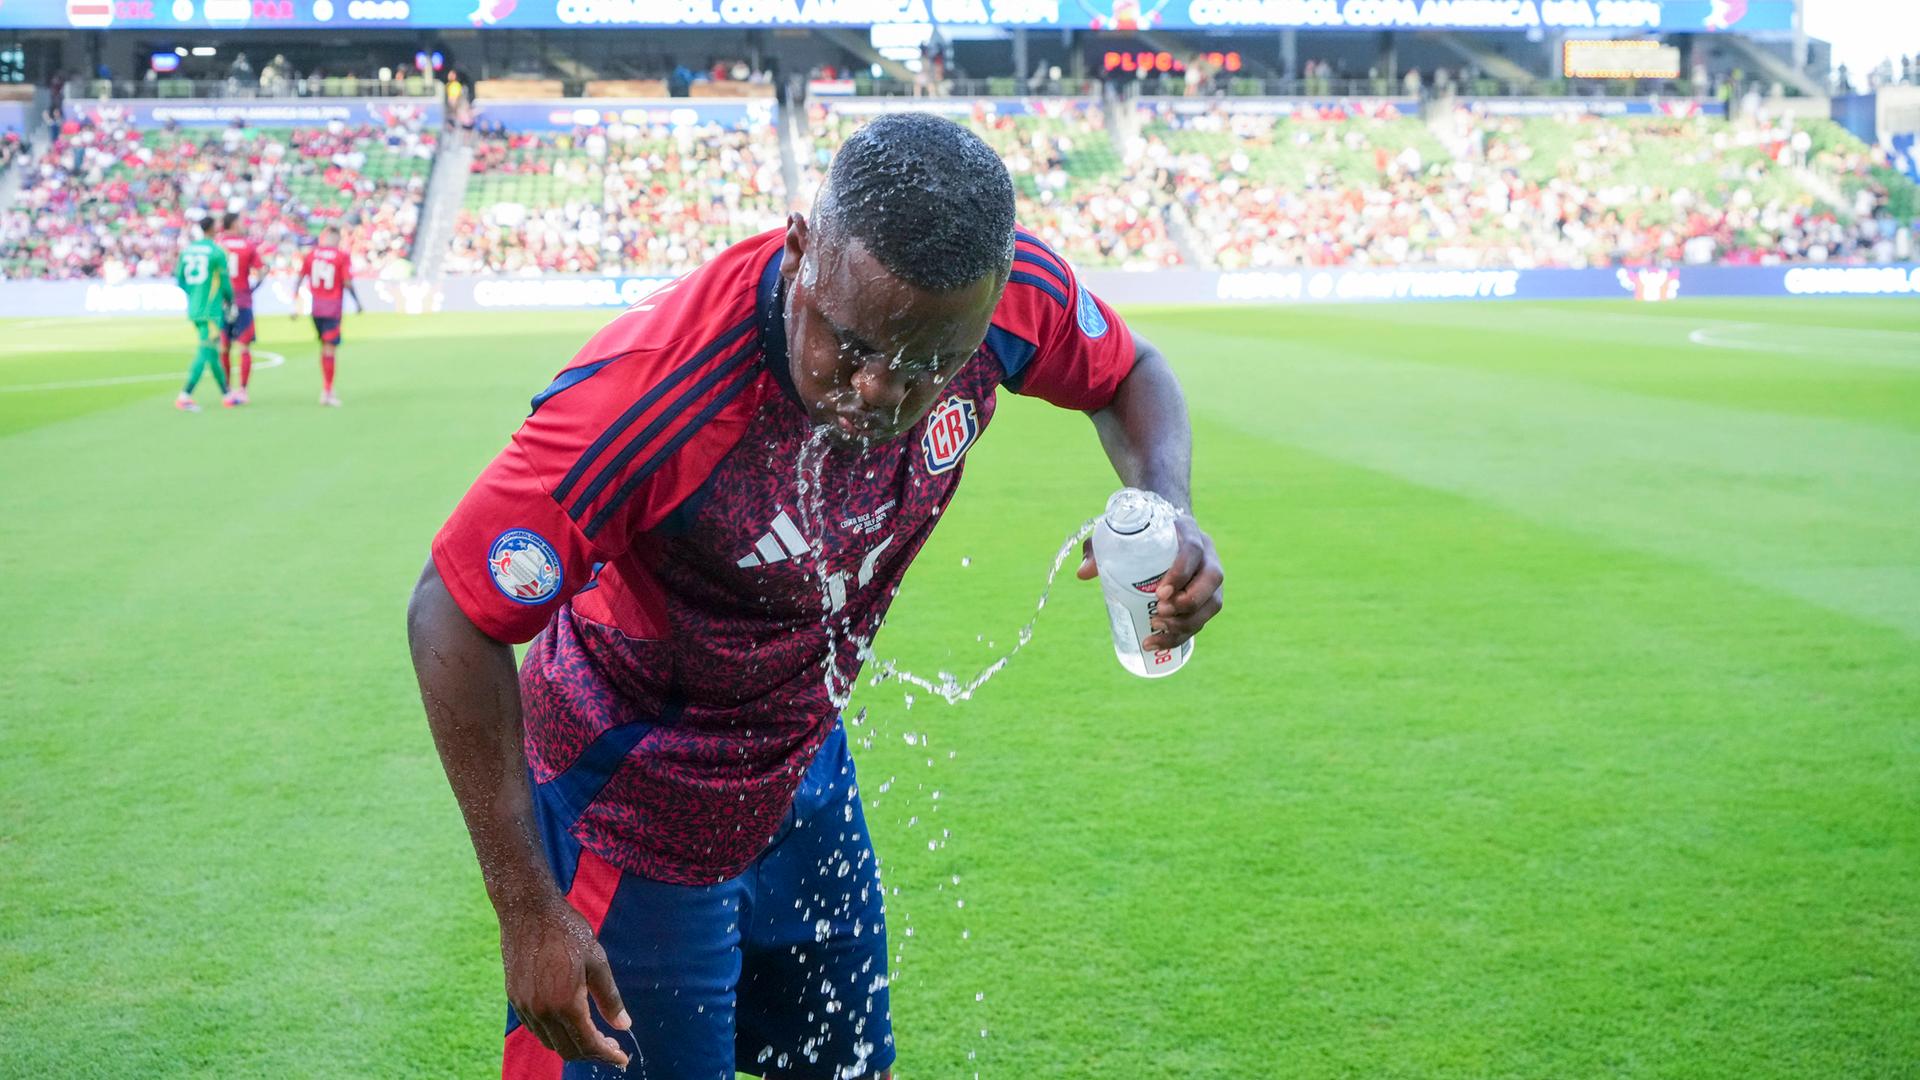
871	354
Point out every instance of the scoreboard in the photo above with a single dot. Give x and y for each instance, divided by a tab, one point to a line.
1620	60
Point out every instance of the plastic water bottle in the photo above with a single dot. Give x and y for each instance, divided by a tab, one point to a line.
1134	544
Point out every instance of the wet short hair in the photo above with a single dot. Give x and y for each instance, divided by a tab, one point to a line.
926	197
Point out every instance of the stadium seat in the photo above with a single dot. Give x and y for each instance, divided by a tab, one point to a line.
108	199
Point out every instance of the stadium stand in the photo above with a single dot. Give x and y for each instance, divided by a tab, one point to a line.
1073	189
108	201
1341	187
1223	183
1322	186
622	198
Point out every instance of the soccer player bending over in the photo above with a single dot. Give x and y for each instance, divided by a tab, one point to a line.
662	800
327	272
243	266
201	273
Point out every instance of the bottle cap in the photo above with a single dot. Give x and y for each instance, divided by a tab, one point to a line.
1130	511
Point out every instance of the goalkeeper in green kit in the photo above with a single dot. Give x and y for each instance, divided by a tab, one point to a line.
202	274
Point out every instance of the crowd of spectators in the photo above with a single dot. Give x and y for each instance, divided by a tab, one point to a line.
1570	191
620	198
1201	183
1898	71
1070	188
12	147
108	201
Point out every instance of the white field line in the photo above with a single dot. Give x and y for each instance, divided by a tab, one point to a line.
1864	347
263	360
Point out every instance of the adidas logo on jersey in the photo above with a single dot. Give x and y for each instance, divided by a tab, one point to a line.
782	542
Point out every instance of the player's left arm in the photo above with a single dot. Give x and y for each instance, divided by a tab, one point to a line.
358	307
1146	434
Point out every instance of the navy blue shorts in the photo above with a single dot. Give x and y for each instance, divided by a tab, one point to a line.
239	329
328	327
735	976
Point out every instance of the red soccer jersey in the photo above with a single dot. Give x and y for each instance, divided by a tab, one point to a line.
327	272
700	615
243	258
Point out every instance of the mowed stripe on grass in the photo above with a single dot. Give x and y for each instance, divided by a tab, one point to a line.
1486	770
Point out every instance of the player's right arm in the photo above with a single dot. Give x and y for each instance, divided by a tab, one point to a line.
472	697
562	497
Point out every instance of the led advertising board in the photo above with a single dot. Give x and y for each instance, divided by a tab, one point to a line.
1632	16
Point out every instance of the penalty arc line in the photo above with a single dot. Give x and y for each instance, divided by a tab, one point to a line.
264	359
1840	345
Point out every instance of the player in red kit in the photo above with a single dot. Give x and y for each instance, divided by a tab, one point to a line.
243	265
700	527
327	272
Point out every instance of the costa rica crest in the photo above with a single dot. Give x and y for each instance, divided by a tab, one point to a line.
525	568
951	428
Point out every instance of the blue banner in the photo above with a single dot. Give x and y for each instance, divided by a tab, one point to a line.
265	112
1597	106
1651	284
570	113
564	291
1612	16
1007	106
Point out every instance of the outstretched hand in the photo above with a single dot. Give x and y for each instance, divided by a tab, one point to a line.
1189	592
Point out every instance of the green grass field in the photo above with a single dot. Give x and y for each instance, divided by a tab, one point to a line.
1564	720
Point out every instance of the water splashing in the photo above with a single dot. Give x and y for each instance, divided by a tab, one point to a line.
952	689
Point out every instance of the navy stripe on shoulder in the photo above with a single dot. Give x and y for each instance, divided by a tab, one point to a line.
660	423
1025	237
679	521
1034	258
673	445
1014	353
647	401
1038	282
565	380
